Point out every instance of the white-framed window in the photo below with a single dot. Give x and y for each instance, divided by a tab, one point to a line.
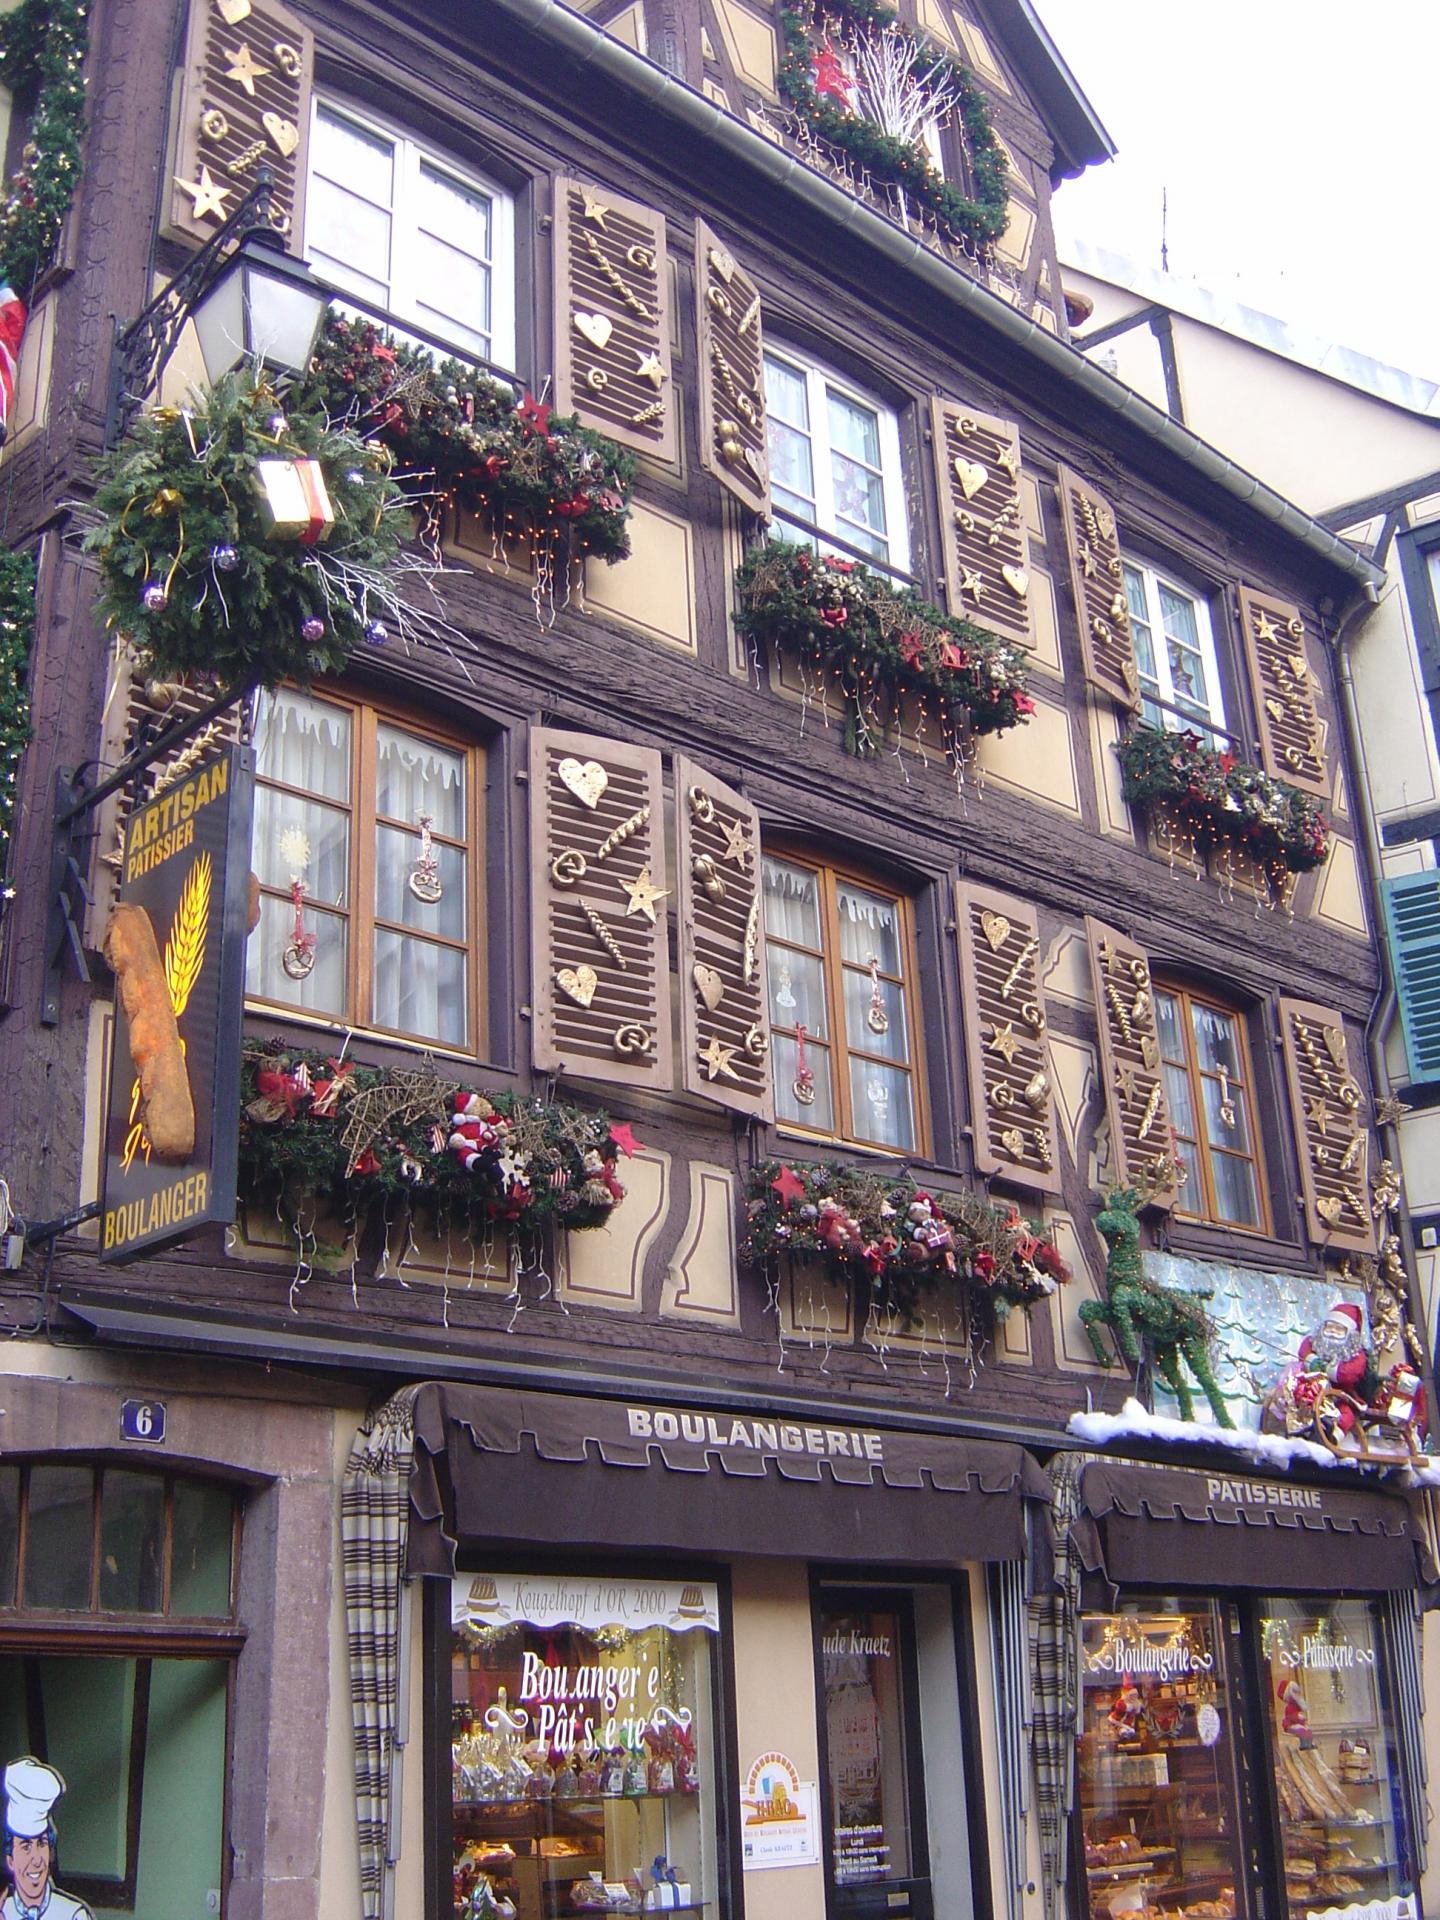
834	462
1174	651
409	232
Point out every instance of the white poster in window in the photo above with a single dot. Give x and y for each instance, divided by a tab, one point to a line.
780	1824
567	1599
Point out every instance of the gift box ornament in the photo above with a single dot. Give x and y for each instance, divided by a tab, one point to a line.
296	499
667	1890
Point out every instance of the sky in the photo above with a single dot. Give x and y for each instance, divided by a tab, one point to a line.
1297	143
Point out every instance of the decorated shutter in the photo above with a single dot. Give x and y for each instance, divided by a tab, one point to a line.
1097	577
1330	1115
1412	915
1011	1087
1141	1147
602	985
987	550
732	374
612	319
1284	690
724	1023
244	103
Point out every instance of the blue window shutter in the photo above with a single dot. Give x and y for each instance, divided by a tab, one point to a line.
1412	917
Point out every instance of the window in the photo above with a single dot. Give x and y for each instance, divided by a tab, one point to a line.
841	965
141	1566
1211	1092
364	849
1174	651
411	234
834	464
582	1745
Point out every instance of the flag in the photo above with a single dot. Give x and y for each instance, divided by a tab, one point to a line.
13	316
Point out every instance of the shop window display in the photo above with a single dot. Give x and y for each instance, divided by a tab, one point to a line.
1157	1774
1336	1773
583	1747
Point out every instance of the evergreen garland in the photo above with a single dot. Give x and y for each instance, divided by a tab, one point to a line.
42	57
980	220
898	1239
460	434
193	575
479	1161
1221	801
17	635
881	643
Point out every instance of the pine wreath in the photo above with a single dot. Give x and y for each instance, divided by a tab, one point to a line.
193	575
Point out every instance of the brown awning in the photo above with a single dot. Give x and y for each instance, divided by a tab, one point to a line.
1179	1527
496	1467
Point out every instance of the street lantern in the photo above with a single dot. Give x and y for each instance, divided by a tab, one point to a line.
263	308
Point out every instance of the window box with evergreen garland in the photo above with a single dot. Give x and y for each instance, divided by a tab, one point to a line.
1211	800
885	649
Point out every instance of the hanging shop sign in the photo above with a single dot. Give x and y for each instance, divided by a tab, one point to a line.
781	1826
176	944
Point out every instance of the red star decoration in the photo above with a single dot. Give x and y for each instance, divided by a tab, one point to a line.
831	78
534	415
625	1140
789	1187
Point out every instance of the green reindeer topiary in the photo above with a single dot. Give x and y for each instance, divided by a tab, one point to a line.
1176	1325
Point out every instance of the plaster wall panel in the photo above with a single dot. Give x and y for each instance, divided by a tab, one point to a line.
1032	508
32	381
418	1252
1416	856
1072	1067
1036	759
934	18
1400	752
1065	974
750	42
701	1283
1420	1138
1340	902
654	589
1014	243
815	1308
1045	629
1073	1351
981	58
628	27
1012	1339
1104	733
605	1266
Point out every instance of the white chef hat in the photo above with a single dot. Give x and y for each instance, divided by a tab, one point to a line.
31	1790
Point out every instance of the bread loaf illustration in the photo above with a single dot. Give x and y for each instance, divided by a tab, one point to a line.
166	1105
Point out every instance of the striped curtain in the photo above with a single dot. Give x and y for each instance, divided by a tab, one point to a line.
1055	1677
374	1517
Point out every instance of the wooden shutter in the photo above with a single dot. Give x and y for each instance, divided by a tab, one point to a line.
1330	1114
724	1020
1284	688
244	103
1141	1147
602	982
1012	1093
987	550
1412	916
1097	577
612	318
732	374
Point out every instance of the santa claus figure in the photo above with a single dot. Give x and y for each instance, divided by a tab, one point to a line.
1294	1714
1334	1355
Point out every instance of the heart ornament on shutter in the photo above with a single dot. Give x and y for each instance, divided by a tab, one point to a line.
586	779
996	929
1300	667
971	475
723	263
284	133
1013	1141
1150	1051
709	985
1330	1207
596	328
232	12
579	983
1017	579
1276	710
1334	1038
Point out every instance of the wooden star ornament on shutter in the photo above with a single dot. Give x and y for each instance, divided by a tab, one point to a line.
244	69
206	194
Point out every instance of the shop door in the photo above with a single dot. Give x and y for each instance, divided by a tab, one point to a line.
877	1851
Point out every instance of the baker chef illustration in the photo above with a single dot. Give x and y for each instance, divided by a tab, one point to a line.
31	1791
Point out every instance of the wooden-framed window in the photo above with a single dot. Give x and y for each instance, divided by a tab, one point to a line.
1174	652
845	1048
1210	1084
834	463
345	796
118	1642
409	232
